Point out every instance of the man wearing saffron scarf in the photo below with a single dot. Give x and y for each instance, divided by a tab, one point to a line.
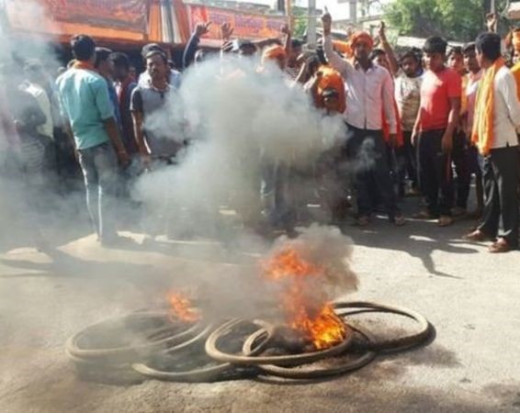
497	115
370	92
86	104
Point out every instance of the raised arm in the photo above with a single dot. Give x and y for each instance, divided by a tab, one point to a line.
287	44
188	56
392	60
334	59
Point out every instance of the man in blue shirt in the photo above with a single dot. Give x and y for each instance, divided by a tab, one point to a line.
86	104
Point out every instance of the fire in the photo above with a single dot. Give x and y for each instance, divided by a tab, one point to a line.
305	309
182	308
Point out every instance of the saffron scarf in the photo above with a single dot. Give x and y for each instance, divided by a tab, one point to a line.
361	37
83	65
483	134
331	79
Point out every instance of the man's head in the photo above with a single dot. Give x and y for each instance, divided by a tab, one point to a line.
34	71
150	47
331	100
83	48
488	49
121	66
361	44
435	53
409	62
246	48
132	71
275	54
456	60
470	58
157	65
103	64
378	57
296	50
515	43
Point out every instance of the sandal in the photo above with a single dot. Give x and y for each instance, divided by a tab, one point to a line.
424	215
445	221
363	221
399	220
476	236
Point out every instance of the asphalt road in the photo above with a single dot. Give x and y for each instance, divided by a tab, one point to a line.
470	296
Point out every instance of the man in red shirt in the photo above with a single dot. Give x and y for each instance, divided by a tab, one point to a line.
436	122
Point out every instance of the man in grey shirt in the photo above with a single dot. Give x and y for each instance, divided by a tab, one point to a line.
151	107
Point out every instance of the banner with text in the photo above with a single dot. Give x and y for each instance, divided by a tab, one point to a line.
126	15
246	25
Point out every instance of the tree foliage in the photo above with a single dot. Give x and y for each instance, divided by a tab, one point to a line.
460	20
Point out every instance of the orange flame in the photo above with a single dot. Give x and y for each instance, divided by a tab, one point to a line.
316	321
182	308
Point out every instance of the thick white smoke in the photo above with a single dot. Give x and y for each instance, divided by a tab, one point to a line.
239	118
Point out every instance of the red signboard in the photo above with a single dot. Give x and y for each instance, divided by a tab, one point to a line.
127	15
246	25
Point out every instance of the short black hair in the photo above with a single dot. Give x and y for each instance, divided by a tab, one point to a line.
102	55
150	47
376	53
156	52
435	44
489	45
468	47
83	47
409	53
120	60
455	50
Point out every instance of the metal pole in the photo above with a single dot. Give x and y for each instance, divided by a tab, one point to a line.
288	13
353	11
311	24
492	7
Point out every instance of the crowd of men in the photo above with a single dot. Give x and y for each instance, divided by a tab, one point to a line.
422	117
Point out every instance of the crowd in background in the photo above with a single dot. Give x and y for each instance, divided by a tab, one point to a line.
429	119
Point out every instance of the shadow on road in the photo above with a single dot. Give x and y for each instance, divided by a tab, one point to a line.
418	239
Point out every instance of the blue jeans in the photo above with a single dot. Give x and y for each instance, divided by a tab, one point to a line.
99	167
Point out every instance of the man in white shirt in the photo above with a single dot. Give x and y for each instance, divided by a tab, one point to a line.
370	93
34	85
497	117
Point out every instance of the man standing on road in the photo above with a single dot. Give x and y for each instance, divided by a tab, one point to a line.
497	117
158	138
370	92
436	123
86	104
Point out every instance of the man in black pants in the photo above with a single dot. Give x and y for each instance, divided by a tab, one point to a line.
434	128
497	116
370	92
